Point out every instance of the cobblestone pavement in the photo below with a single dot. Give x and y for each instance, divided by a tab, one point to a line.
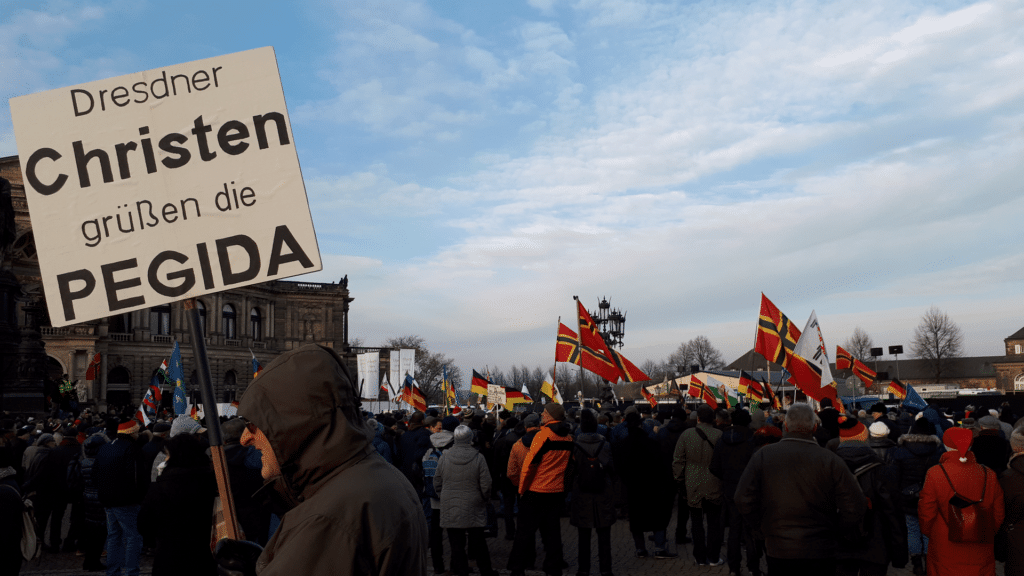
624	563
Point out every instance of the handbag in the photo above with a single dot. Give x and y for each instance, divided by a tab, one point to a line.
31	547
968	521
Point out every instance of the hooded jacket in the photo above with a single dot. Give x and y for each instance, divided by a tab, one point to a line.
885	539
1012	482
347	510
593	510
912	457
464	484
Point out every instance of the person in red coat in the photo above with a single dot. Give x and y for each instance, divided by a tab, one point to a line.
973	482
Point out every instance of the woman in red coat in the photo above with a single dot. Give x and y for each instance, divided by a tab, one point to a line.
972	482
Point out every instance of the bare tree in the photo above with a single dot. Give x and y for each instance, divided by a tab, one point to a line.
859	344
937	339
700	352
430	366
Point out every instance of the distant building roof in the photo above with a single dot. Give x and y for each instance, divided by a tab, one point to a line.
1018	335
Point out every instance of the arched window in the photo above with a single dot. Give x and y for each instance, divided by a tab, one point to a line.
230	384
201	308
160	319
228	316
1018	383
256	324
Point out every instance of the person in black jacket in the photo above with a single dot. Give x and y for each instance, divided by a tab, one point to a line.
667	437
45	485
913	455
989	446
732	453
10	512
512	430
177	510
94	517
798	497
882	538
593	498
121	478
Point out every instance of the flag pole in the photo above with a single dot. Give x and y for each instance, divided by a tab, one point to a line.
554	367
213	433
579	346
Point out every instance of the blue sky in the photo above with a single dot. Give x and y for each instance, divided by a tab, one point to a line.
472	166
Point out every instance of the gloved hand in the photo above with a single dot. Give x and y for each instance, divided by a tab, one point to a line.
237	557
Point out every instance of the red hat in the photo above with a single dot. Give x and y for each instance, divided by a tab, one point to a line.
958	439
851	429
129	427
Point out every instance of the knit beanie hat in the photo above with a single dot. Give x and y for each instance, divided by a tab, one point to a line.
852	429
1017	440
183	425
923	426
555	411
44	439
531	421
878	430
449	423
958	439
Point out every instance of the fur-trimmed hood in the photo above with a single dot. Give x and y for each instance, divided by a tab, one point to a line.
919	438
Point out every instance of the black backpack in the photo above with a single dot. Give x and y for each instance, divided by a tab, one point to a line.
590	473
866	482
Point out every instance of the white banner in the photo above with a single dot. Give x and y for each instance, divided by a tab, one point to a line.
161	185
495	395
407	363
371	385
811	347
396	378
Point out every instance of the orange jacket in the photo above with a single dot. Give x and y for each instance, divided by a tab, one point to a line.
544	467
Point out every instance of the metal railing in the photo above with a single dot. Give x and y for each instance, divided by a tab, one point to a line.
161	338
233	343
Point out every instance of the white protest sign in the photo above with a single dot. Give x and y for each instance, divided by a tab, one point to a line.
495	395
162	185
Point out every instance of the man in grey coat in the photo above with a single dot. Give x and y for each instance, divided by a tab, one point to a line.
798	497
691	464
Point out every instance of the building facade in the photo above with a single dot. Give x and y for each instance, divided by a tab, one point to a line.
258	321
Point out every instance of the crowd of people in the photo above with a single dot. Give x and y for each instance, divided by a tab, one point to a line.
320	486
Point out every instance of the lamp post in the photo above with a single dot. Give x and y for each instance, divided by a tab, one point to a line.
610	323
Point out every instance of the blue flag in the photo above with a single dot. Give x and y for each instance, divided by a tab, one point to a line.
176	373
914	399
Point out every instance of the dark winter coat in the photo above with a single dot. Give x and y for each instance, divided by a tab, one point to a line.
10	522
463	482
992	450
593	509
1012	481
245	482
732	453
120	473
502	448
69	451
947	558
799	497
668	435
941	423
346	510
882	446
45	476
177	512
94	514
411	448
913	455
648	480
884	537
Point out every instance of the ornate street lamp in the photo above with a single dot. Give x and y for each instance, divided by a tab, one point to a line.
610	323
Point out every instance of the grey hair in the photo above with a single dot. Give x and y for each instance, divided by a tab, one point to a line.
463	434
801	419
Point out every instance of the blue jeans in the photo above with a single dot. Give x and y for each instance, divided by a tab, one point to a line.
124	543
916	542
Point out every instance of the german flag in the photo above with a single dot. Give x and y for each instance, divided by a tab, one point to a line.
479	384
898	389
776	334
750	388
630	373
700	390
648	396
419	400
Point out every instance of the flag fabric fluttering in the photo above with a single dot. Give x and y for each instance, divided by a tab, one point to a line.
526	394
648	396
140	415
413	395
811	347
914	399
176	374
629	372
898	389
479	384
846	361
549	389
568	349
751	388
698	389
723	394
776	334
93	371
151	400
256	366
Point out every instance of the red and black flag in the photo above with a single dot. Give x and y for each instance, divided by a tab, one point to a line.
630	373
770	397
700	390
568	349
898	389
648	396
846	361
590	336
93	371
776	334
567	346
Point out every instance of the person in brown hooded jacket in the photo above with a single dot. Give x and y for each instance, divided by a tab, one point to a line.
346	510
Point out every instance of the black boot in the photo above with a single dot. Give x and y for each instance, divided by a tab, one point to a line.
917	564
